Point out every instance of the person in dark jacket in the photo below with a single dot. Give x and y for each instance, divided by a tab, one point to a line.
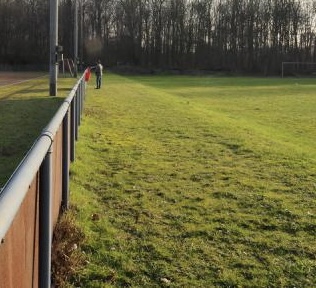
98	73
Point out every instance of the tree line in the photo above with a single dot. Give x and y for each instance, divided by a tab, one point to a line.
219	35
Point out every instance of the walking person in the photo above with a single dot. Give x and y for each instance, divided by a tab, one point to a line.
98	74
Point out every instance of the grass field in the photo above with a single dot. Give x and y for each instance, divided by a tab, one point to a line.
25	109
197	182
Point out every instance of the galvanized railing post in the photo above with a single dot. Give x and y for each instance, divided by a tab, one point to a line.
76	115
82	86
45	221
65	159
81	98
80	101
79	105
72	130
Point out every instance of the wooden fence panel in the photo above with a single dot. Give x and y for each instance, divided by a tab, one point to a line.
19	252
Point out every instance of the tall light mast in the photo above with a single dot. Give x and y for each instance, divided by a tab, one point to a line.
54	48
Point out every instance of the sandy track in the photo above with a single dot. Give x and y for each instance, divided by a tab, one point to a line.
13	78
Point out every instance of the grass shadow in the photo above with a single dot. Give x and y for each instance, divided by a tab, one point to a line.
22	120
215	81
25	109
33	91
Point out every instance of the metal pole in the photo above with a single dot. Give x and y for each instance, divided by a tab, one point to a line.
45	222
53	63
76	40
65	173
82	95
76	115
80	104
72	130
81	33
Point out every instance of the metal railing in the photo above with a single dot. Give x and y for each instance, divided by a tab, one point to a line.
31	200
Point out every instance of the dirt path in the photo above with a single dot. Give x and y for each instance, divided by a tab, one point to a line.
13	78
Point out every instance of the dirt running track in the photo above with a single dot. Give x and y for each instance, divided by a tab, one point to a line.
12	78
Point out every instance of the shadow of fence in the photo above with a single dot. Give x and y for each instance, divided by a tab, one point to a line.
31	200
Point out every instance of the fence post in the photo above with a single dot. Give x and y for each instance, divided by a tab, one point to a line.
82	89
76	115
45	221
79	105
72	130
81	102
65	159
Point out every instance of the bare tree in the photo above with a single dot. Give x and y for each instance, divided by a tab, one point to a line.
232	35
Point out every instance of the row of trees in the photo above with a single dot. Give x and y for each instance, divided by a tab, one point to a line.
231	35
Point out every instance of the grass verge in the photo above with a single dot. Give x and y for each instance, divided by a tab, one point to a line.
197	182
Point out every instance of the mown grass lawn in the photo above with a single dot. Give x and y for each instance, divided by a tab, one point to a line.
25	109
197	182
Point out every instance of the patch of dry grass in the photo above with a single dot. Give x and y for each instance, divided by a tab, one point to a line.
67	257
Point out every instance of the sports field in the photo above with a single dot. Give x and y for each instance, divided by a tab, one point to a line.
186	181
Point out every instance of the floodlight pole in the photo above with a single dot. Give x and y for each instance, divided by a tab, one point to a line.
76	40
53	59
81	30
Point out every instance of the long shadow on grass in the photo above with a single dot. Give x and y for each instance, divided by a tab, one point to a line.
31	89
213	81
22	120
38	90
20	92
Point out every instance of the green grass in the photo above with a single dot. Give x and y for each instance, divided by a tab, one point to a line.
197	182
25	109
